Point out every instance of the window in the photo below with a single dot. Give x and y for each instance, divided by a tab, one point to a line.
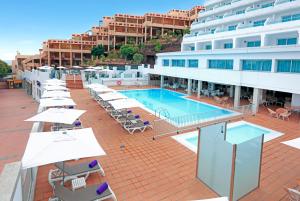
208	47
287	41
253	43
212	31
193	63
192	48
288	18
232	28
220	64
228	45
288	66
240	12
267	5
166	62
178	63
257	65
259	23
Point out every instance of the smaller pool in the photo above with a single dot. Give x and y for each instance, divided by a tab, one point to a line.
237	133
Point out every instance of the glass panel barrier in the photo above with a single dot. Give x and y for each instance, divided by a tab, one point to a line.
215	159
247	167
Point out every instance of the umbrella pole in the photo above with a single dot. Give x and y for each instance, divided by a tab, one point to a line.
63	173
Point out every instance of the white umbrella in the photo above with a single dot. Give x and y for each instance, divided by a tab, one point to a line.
56	102
55	88
125	103
55	81
90	67
98	68
56	94
61	67
103	90
51	147
57	115
77	67
90	70
45	67
112	96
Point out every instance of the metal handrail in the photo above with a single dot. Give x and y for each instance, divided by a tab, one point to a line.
183	123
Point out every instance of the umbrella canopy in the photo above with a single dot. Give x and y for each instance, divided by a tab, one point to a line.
77	67
51	147
61	67
90	70
103	90
98	68
55	88
56	94
56	102
293	143
125	103
112	96
45	68
58	115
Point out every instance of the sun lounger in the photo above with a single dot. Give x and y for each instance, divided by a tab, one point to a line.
139	125
73	171
125	120
84	194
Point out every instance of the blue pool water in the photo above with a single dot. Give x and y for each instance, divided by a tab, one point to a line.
237	134
176	105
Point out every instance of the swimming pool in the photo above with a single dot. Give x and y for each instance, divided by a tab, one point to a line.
175	106
237	133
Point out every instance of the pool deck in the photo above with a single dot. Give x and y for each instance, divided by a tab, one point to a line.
15	107
164	169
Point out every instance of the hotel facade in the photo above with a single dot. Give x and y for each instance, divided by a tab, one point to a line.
111	32
242	44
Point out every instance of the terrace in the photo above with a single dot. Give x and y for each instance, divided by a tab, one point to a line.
162	169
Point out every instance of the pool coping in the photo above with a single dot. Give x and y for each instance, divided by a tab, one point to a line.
185	96
182	138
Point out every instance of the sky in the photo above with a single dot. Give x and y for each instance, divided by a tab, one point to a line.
26	24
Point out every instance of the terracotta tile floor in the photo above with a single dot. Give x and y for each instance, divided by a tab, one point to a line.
15	106
165	170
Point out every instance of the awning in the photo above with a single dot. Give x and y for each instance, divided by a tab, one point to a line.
112	96
125	103
58	115
50	147
56	102
56	94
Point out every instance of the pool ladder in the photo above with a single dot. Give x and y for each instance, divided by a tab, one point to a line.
162	111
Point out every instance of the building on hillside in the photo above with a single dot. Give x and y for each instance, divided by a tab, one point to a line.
112	33
249	48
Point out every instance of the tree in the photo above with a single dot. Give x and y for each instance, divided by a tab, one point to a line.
4	69
98	51
127	51
186	31
138	58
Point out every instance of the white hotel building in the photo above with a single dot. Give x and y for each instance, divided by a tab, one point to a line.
243	44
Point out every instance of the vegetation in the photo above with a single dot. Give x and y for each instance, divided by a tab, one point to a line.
138	58
4	69
127	51
98	51
157	46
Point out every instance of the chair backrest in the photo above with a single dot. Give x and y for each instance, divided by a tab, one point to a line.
294	195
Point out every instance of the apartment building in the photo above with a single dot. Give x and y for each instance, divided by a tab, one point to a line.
112	33
243	45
